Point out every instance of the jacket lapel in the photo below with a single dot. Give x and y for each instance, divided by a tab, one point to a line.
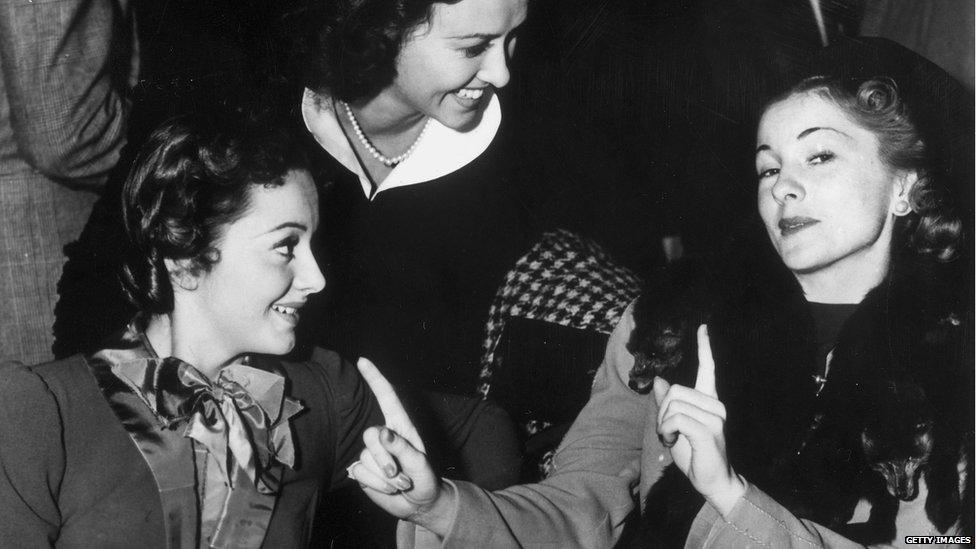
167	453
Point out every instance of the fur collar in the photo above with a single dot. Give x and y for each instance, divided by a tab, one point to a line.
911	335
912	330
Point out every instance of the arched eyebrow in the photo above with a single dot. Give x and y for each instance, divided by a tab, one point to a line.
480	35
290	225
805	133
808	131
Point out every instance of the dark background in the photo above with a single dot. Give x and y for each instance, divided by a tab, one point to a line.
634	118
631	119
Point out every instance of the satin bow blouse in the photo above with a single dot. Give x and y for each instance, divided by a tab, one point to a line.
238	425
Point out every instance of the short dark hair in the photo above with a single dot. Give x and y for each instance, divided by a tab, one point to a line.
935	227
348	48
191	178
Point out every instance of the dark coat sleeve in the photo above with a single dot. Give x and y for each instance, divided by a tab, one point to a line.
330	438
32	459
354	409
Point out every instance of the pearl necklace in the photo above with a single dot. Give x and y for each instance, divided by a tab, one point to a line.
386	161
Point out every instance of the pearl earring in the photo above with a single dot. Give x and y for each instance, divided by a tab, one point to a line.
902	208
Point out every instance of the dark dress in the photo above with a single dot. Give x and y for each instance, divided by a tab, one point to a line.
411	273
412	266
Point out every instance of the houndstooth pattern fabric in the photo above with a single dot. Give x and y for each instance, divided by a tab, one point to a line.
564	279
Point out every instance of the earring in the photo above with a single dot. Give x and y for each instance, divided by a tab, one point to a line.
902	207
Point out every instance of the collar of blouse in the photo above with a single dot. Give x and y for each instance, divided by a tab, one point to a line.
441	151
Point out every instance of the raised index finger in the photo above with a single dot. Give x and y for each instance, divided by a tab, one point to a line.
385	394
393	412
705	382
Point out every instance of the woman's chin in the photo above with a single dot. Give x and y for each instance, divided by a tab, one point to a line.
284	347
461	120
800	256
801	263
278	344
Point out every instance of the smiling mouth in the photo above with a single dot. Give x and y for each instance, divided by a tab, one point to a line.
792	225
289	312
470	94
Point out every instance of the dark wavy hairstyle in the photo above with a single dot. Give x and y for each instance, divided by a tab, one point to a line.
190	179
348	48
934	228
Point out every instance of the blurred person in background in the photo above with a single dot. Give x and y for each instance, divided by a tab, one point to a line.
65	70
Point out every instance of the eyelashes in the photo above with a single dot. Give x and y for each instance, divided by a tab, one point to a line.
476	50
814	160
506	41
821	157
286	246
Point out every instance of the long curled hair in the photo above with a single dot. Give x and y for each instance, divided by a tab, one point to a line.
348	48
934	227
189	181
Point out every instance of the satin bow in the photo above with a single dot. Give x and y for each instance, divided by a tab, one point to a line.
224	415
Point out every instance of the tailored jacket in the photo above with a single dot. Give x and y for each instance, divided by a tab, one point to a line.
761	337
73	476
65	66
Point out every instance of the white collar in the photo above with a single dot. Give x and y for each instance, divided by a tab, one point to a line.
441	151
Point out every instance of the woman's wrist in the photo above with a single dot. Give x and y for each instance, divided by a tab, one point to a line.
725	500
439	515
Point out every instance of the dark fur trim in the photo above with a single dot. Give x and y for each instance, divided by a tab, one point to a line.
806	451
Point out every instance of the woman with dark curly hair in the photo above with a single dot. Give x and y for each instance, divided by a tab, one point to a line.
424	219
187	429
833	400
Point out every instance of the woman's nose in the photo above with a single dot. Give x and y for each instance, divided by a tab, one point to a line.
494	67
309	277
787	188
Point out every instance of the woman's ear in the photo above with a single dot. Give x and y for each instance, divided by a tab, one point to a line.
905	181
181	274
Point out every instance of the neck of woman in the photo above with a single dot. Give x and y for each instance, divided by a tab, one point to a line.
387	127
164	334
843	281
383	119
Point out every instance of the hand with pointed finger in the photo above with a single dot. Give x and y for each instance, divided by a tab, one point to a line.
393	469
691	422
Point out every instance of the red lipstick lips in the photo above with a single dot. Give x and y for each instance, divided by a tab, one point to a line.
793	225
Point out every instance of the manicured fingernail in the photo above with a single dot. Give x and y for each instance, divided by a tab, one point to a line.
403	483
388	435
667	443
390	470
